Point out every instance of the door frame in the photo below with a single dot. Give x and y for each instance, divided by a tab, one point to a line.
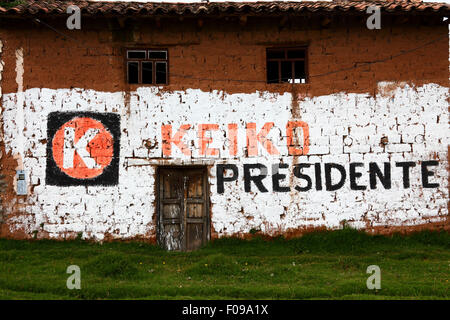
158	215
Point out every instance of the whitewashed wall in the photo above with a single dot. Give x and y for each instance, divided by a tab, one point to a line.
415	120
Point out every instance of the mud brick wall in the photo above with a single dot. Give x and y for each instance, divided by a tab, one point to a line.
276	154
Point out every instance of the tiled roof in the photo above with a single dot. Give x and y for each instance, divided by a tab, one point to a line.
55	7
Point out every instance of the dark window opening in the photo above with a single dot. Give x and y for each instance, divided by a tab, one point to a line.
136	54
157	54
147	72
161	72
286	65
296	54
147	66
133	72
275	54
286	71
272	72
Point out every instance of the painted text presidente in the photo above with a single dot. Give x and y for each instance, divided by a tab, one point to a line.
324	176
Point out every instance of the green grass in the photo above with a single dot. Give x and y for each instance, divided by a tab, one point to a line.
320	265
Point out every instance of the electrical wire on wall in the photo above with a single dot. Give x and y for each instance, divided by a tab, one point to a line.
355	65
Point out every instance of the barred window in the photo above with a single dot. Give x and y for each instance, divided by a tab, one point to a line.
286	65
147	66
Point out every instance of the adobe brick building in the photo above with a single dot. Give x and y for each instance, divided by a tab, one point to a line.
185	122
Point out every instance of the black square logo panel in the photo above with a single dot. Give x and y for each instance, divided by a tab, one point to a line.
83	149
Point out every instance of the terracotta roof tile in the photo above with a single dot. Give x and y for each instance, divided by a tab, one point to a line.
55	7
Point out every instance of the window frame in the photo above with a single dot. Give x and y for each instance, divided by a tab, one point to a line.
146	59
292	60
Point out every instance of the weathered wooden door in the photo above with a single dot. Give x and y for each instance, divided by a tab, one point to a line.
183	221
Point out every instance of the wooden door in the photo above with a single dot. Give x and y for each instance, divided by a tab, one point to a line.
182	208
